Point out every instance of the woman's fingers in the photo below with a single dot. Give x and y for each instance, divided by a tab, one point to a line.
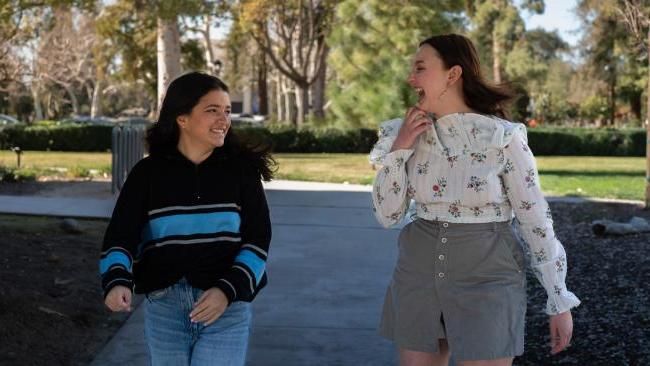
415	122
213	318
410	112
561	329
418	121
415	115
208	315
559	339
119	299
199	311
421	128
201	298
126	300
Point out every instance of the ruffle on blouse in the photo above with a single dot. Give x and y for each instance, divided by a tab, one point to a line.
550	274
454	131
385	138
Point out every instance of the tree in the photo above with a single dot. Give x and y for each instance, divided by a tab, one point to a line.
534	63
637	17
212	16
292	34
12	67
372	48
604	45
65	53
134	29
497	25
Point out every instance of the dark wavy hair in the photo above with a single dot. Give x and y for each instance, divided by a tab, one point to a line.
479	94
182	95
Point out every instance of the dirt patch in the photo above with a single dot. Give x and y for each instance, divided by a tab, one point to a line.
51	307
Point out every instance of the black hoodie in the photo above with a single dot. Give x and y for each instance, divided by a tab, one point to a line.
208	223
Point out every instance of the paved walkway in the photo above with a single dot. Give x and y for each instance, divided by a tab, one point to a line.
328	268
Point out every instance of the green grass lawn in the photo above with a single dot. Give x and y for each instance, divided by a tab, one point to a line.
71	164
605	177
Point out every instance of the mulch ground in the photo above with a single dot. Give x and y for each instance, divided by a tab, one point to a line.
611	276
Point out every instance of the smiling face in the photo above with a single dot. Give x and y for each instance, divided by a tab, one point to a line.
430	78
208	123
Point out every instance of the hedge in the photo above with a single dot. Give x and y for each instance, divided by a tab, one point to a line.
65	137
587	141
543	141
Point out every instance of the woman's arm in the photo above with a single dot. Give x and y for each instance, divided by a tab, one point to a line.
394	147
535	224
249	268
123	233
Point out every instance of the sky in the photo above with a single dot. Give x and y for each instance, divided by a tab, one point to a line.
558	15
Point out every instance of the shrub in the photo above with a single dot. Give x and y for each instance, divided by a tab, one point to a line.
8	174
50	135
63	137
587	142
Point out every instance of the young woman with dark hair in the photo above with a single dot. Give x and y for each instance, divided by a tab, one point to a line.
459	285
191	230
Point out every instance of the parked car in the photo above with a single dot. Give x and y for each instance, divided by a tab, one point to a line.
85	119
134	121
247	120
6	120
133	112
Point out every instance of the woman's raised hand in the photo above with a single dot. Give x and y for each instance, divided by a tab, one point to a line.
415	122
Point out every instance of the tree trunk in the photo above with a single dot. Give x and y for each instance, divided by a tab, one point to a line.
612	97
647	146
49	113
168	55
96	105
302	102
73	98
262	87
207	44
247	103
38	110
279	98
635	105
289	109
318	88
496	57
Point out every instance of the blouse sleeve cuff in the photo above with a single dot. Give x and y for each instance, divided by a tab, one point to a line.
552	275
559	303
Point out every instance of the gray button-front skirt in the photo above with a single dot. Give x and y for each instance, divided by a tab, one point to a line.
461	282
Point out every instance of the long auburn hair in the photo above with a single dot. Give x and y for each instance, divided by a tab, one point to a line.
479	94
182	95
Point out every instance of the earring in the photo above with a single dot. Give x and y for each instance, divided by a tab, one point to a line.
442	94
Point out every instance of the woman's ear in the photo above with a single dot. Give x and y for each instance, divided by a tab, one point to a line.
455	73
182	121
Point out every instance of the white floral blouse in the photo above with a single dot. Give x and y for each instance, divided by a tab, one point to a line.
472	168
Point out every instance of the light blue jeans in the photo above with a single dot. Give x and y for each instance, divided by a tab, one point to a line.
172	339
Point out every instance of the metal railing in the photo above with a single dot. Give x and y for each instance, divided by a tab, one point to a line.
127	147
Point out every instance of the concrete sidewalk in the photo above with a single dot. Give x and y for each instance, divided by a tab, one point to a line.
329	265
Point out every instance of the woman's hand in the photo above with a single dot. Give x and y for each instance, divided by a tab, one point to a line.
209	307
119	298
416	121
561	331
